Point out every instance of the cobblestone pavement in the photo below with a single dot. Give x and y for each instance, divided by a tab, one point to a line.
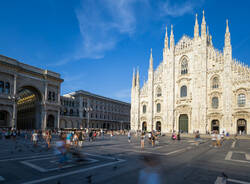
114	160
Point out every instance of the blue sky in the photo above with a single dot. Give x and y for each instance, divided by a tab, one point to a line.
94	44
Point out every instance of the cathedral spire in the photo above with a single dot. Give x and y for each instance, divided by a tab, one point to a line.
172	38
151	60
227	36
203	26
137	79
133	80
196	28
166	39
227	45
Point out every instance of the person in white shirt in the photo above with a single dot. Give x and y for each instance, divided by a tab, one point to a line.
34	138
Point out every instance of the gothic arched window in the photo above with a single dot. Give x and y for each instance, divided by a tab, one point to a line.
158	92
158	107
215	83
144	109
241	100
184	66
215	102
183	91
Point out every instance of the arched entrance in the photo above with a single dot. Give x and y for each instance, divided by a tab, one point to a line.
144	126
241	126
4	119
183	123
215	125
28	108
158	126
50	122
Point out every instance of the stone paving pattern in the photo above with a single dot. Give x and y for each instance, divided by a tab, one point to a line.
114	160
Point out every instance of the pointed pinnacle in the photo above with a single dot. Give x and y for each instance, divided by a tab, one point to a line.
203	18
227	28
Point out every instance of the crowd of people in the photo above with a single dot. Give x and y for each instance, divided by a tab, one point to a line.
153	138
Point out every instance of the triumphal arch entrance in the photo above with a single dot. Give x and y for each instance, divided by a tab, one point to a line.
29	96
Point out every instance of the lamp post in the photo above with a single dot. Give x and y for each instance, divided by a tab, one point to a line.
14	100
88	110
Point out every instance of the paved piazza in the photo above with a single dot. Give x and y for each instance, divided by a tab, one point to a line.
114	160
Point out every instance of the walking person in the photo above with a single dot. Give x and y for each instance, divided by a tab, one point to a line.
218	140
48	139
142	140
213	137
34	138
80	139
153	140
129	136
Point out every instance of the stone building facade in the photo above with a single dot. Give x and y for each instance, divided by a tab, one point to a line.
82	109
30	99
29	96
195	88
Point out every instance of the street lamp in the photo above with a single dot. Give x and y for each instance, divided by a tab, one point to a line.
14	99
88	110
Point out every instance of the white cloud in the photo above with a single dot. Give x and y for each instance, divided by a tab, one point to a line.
176	9
101	23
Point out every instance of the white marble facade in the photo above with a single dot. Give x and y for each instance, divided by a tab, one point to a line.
195	88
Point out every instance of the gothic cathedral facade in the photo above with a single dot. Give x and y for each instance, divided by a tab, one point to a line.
195	88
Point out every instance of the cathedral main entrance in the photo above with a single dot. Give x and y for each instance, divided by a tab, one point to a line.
28	108
158	126
215	125
144	126
183	123
241	126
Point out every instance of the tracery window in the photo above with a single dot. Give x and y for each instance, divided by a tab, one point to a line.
158	107
241	100
184	66
215	83
158	92
144	109
215	102
183	91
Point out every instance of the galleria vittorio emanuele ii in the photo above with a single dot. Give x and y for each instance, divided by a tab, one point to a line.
195	88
